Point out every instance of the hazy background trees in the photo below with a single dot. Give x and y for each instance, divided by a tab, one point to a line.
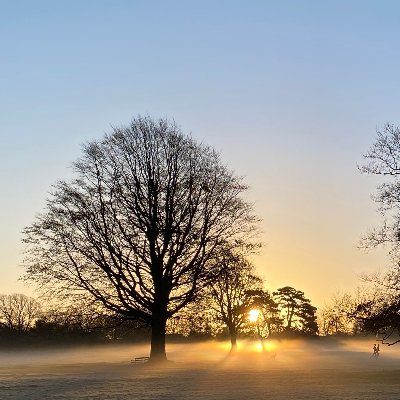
18	311
334	318
27	321
139	227
64	323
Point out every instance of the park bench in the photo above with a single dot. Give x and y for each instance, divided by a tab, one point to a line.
139	360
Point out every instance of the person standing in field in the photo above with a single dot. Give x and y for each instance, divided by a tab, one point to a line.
375	351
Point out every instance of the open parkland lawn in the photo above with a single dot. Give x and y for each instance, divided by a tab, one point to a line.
287	370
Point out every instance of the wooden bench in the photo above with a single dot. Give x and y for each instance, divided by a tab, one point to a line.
139	360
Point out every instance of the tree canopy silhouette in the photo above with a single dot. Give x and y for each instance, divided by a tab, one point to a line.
297	310
138	228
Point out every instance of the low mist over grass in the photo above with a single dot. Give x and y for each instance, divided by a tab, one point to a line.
206	370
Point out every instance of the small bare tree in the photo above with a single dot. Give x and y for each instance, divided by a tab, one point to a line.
333	318
18	311
229	292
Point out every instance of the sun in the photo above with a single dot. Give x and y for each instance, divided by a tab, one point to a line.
253	315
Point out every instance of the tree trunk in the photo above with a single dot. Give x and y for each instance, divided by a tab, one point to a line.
233	335
290	316
158	329
268	329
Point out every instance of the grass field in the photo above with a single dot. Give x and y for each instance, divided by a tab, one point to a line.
287	370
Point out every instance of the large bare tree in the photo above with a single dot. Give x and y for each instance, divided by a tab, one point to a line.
139	227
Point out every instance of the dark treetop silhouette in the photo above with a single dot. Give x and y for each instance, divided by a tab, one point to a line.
139	227
298	311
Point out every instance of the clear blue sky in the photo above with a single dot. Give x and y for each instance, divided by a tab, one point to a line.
290	92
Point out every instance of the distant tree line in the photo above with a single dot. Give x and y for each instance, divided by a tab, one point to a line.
23	320
281	313
223	312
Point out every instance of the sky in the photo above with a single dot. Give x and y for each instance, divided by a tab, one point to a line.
290	93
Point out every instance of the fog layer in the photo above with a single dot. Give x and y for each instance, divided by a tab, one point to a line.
286	369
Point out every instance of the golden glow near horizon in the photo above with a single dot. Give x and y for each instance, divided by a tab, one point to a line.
258	347
253	315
